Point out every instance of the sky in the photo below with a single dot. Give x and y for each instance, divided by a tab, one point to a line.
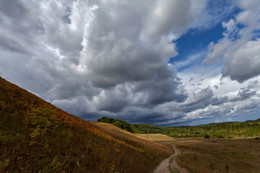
162	62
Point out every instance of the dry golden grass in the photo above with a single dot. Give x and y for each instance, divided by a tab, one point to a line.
219	155
215	155
131	139
155	137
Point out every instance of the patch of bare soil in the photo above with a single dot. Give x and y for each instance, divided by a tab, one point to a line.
170	165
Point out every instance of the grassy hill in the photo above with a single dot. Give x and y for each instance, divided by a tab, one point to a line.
36	136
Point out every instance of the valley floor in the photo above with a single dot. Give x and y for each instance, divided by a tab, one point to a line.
213	155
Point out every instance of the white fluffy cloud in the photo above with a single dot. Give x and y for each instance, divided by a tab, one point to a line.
239	49
245	62
163	18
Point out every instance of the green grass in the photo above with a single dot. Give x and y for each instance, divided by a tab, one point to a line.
219	130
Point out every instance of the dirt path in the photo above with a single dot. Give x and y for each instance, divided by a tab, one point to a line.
170	165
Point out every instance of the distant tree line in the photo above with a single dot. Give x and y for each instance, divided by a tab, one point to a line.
216	130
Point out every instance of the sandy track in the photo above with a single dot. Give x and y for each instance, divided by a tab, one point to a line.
170	165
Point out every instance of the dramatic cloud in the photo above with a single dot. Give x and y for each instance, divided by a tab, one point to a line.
110	57
94	49
240	46
163	18
245	62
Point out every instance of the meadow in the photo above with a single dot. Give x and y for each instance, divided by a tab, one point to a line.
200	155
219	155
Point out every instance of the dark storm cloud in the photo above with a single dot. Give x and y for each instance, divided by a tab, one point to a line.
18	27
11	45
17	17
243	94
148	115
246	93
129	69
154	118
205	99
198	100
219	100
13	9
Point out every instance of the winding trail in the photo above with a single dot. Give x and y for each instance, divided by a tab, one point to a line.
170	165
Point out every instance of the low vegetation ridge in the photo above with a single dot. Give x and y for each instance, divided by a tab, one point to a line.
35	136
217	130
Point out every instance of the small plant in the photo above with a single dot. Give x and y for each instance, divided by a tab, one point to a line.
4	164
55	163
41	124
212	166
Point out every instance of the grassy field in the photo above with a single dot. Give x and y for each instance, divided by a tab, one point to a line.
155	137
214	155
219	155
35	136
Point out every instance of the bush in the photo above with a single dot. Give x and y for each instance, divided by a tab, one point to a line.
118	123
220	136
207	136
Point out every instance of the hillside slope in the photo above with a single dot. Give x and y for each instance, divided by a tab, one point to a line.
36	136
130	138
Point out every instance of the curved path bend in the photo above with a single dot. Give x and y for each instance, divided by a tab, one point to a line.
170	165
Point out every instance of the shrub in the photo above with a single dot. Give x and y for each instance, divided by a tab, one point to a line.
118	123
220	136
206	136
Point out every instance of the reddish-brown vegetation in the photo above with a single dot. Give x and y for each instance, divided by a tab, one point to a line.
36	136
